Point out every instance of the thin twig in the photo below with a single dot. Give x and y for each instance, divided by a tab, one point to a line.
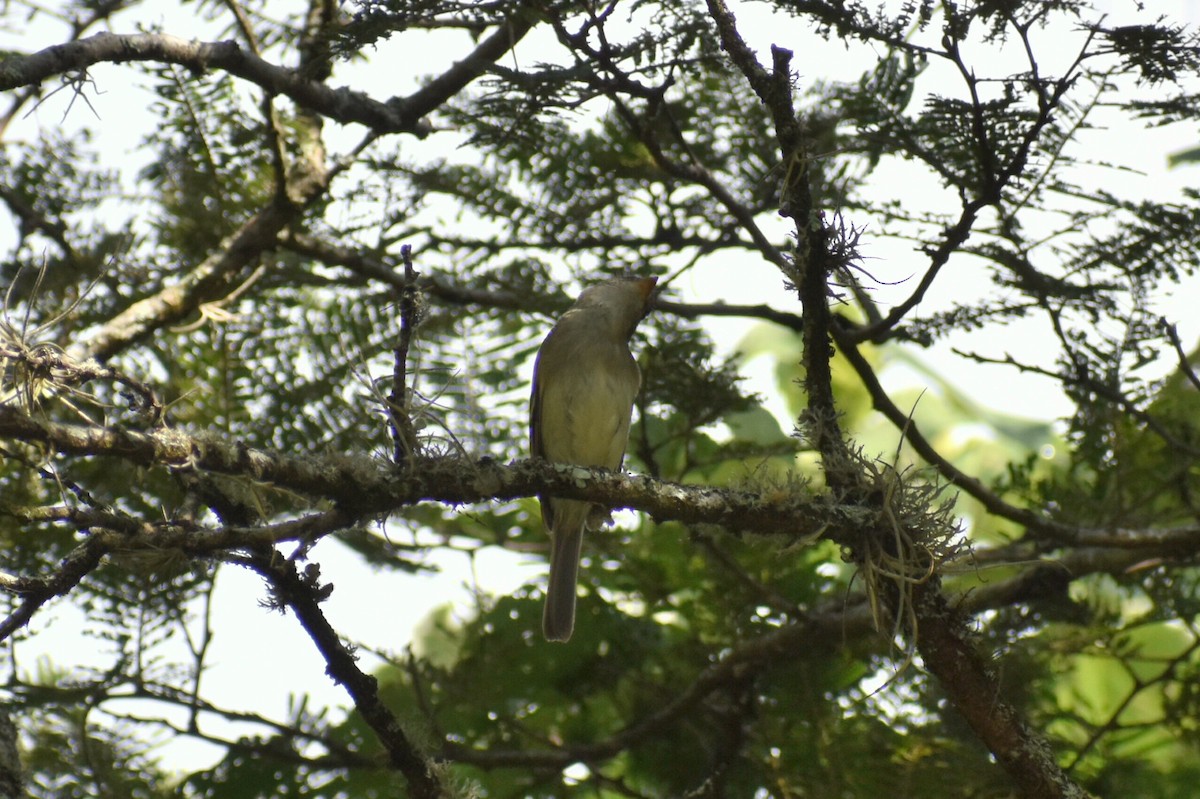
404	435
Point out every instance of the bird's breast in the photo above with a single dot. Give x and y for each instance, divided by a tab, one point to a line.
586	408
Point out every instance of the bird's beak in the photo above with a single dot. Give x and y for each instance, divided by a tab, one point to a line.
645	287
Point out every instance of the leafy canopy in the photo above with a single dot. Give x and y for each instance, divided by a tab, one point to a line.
294	315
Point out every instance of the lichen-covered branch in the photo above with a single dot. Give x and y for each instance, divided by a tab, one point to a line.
210	280
896	556
363	487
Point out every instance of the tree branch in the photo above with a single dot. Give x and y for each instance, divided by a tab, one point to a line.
303	595
374	267
404	434
362	487
208	281
975	692
341	105
911	588
77	565
834	625
993	503
12	780
453	80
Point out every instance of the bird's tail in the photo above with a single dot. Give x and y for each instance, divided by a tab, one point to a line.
566	543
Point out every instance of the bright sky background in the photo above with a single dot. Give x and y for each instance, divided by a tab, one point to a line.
258	655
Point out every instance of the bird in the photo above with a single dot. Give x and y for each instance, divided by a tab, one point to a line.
585	381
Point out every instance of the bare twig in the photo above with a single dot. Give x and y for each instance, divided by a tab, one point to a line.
404	435
1185	364
302	594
